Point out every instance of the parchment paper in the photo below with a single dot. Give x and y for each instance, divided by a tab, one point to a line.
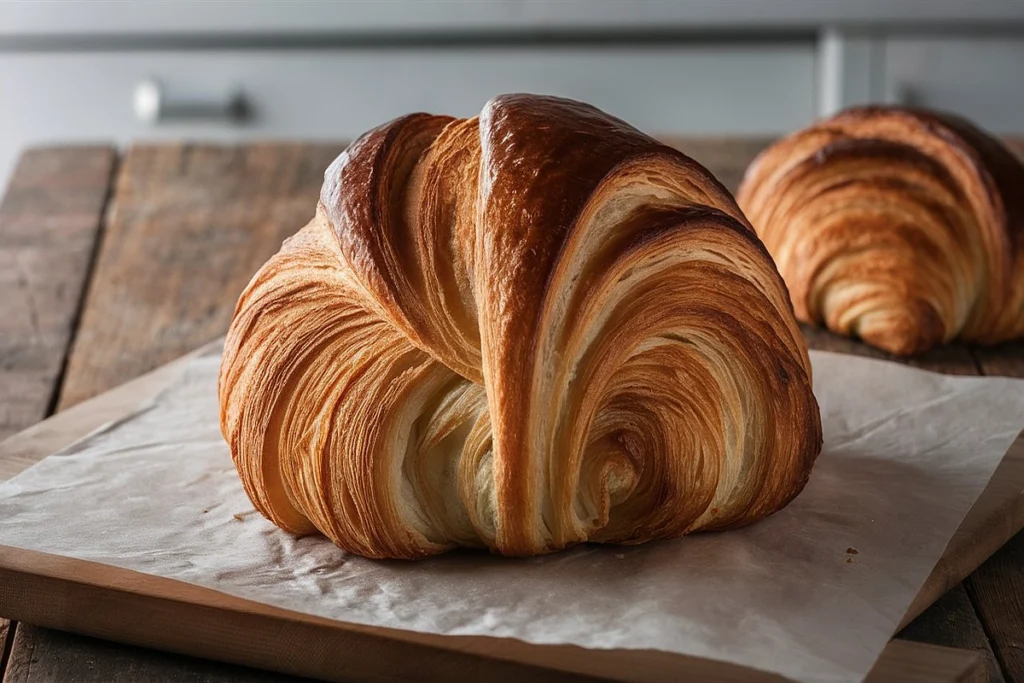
907	453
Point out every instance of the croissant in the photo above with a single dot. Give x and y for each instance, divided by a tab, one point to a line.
902	227
518	331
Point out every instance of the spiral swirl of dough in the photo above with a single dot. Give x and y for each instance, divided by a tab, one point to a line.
519	331
902	227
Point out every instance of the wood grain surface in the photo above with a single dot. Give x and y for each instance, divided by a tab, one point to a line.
1006	360
6	639
187	227
49	223
951	620
997	590
727	158
50	219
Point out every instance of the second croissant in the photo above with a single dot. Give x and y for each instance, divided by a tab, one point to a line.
902	227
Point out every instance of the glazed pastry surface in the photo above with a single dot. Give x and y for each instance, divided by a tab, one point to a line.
519	331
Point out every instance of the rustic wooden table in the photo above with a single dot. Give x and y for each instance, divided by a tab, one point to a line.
111	265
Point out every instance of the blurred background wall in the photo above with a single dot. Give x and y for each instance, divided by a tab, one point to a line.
228	70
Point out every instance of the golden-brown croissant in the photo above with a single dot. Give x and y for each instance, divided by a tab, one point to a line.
520	331
902	227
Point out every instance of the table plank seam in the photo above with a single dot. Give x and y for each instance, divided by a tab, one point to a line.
83	296
1004	666
979	367
6	647
995	644
993	650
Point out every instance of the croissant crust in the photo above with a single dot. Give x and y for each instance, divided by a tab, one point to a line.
899	226
519	331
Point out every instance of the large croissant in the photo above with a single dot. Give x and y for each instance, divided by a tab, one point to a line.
902	227
520	331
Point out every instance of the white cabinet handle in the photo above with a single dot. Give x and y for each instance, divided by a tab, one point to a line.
152	105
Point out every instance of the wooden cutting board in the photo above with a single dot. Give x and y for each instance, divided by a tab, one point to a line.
131	607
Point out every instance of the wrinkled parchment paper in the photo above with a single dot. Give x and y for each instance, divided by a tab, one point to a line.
906	455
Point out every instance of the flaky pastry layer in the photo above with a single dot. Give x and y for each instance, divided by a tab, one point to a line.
519	331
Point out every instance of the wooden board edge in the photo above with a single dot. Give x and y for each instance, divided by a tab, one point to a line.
127	606
906	661
999	510
118	604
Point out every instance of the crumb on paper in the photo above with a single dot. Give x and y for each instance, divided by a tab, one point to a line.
849	560
851	550
206	510
240	516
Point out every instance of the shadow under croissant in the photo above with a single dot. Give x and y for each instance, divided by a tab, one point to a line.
847	493
956	358
755	583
